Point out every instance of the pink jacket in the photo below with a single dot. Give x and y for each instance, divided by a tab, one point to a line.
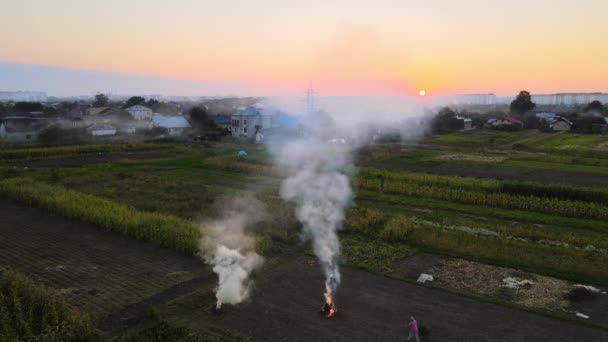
412	327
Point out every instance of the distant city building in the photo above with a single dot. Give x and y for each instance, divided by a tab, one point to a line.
569	99
475	99
560	99
140	112
23	96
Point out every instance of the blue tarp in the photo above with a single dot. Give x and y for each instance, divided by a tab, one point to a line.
288	121
242	153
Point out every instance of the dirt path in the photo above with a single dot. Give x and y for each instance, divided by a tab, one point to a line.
91	159
491	172
374	308
116	278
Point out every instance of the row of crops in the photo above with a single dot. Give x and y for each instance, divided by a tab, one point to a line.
30	312
504	250
162	230
76	150
562	200
578	209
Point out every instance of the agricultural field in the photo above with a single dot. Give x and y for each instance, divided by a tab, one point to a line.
513	227
565	158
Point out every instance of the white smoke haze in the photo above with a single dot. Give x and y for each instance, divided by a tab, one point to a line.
321	192
320	158
227	246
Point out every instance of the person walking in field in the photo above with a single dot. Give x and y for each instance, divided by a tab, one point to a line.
412	328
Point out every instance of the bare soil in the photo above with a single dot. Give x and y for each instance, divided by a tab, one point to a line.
546	293
589	179
285	307
115	278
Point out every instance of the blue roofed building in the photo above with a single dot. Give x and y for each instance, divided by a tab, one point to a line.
249	122
546	116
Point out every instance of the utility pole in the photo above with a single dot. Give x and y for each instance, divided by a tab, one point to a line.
310	93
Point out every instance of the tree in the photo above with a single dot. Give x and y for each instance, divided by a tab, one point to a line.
445	121
522	103
201	120
152	103
55	135
101	100
134	101
595	106
156	132
532	122
26	107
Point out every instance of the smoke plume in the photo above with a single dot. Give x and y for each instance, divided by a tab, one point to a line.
319	161
321	191
230	250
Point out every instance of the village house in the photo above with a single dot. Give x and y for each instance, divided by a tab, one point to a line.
21	129
249	122
98	111
140	112
546	116
101	130
175	125
223	121
467	123
560	124
505	123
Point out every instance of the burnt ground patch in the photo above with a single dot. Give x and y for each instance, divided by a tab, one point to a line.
285	307
115	278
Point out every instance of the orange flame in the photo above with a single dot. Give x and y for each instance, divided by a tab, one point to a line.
329	308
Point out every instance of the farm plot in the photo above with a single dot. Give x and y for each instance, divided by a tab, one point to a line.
98	271
285	307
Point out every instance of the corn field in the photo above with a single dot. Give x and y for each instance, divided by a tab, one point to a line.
30	312
162	230
577	209
557	191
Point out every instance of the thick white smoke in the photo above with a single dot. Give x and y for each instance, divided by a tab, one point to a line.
319	158
321	191
226	245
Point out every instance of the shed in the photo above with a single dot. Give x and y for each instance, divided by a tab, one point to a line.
175	125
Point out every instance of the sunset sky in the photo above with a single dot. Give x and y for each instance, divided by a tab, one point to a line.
380	47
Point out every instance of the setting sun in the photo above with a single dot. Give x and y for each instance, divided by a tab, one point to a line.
422	92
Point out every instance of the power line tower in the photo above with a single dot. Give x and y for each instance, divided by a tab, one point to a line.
310	104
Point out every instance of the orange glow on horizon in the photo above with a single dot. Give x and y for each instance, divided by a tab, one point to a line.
351	49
